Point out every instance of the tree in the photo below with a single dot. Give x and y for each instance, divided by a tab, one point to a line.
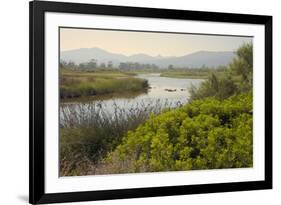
82	66
109	65
63	64
237	77
68	65
92	65
170	67
102	66
242	66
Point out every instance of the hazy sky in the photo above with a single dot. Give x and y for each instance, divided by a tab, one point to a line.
129	43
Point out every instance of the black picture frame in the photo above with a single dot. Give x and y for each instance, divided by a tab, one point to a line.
37	9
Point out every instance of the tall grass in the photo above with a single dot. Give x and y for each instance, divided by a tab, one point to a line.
89	131
79	84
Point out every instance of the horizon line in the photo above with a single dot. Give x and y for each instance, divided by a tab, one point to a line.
164	56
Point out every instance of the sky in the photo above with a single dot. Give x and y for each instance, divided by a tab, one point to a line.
130	43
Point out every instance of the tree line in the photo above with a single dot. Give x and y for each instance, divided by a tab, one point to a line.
93	65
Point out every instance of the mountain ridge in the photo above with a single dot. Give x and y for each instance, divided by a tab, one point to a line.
196	59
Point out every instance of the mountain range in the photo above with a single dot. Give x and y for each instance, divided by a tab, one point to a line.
196	59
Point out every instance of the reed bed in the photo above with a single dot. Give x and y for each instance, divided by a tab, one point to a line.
89	131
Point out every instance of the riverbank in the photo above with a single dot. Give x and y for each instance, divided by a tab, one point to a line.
192	74
185	74
91	128
77	84
88	132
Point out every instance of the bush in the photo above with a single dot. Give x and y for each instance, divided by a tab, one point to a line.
220	88
205	134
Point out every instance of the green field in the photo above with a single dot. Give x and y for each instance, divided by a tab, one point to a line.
75	84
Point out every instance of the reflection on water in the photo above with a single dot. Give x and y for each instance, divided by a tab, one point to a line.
172	89
164	92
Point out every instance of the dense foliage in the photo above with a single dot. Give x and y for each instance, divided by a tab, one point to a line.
237	77
205	134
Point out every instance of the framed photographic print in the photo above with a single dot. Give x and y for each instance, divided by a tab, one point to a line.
140	102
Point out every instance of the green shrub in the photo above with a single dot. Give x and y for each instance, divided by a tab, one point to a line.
220	88
205	134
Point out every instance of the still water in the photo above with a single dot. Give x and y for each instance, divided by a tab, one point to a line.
173	90
163	92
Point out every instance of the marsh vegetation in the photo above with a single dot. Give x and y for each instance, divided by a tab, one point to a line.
75	84
205	122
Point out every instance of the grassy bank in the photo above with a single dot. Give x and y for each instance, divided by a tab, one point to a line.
185	74
75	84
190	73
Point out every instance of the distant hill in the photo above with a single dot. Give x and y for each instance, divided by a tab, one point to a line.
197	59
